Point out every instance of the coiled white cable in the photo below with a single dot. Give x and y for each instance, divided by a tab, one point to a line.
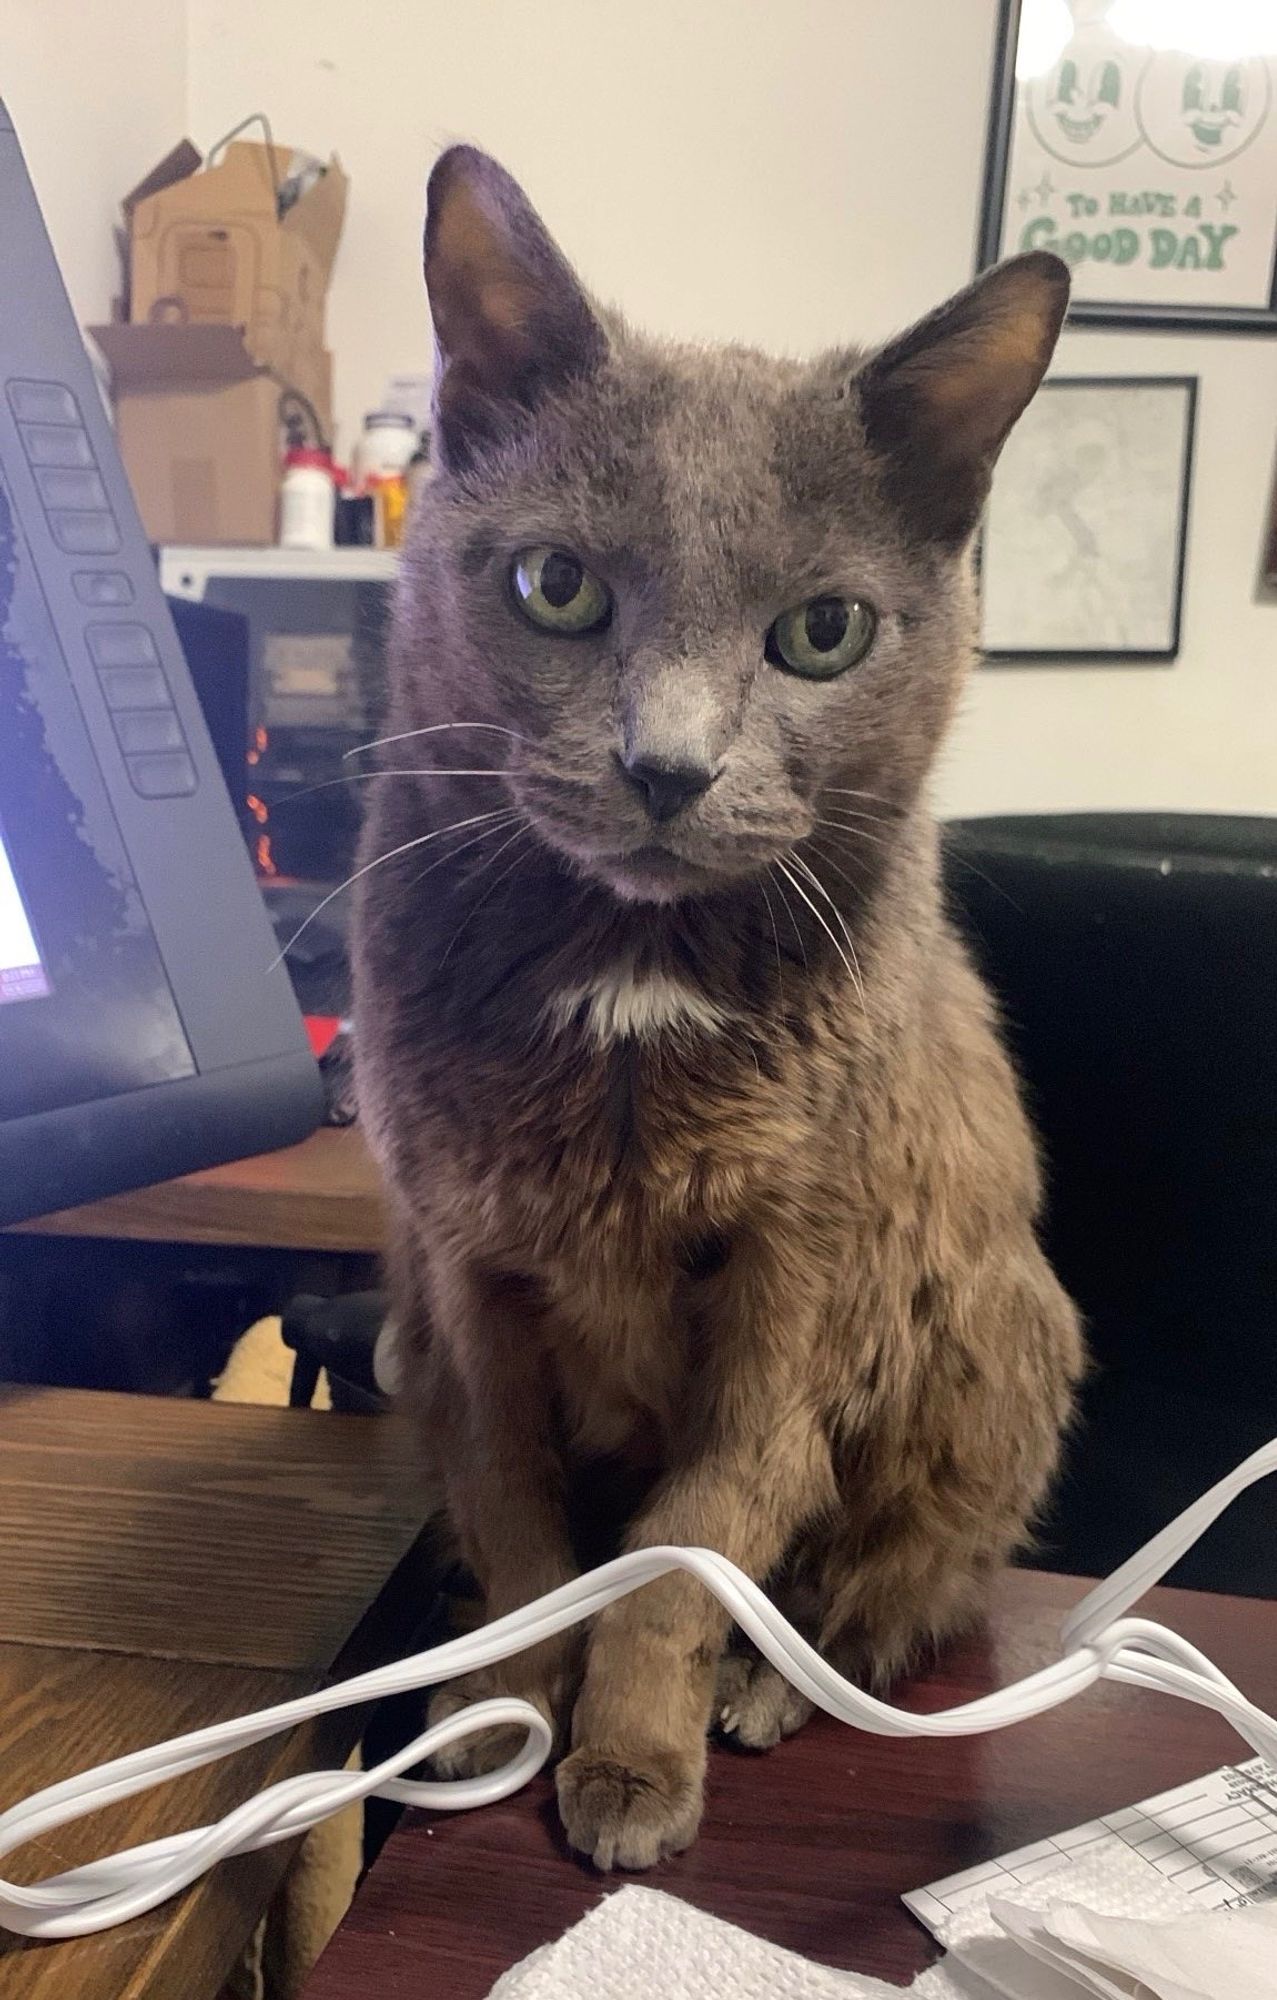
1103	1643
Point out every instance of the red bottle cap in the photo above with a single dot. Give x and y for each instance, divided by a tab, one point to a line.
306	454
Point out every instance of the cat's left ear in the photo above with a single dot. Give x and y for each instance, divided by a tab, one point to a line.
512	323
938	401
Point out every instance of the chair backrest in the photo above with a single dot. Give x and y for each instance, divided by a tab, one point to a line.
1135	957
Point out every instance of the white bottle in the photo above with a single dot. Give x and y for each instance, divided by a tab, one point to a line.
307	499
385	448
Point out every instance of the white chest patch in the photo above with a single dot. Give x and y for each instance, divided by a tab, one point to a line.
623	1005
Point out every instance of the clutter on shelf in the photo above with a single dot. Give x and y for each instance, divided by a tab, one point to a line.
228	265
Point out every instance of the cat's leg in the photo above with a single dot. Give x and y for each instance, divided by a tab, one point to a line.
754	1705
485	1412
631	1791
944	1484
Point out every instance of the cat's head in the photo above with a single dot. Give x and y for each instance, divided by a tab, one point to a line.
722	601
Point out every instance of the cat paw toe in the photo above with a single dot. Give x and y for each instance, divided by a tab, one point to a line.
755	1706
630	1811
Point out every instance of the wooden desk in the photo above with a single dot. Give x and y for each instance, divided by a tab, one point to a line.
322	1195
165	1564
813	1844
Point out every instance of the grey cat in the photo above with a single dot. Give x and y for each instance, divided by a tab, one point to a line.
713	1202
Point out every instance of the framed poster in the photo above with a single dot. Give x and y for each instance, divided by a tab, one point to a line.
1138	140
1082	557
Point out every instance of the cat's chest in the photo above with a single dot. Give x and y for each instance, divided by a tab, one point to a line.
632	1115
621	1006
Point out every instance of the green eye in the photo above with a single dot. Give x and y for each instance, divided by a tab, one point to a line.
823	637
557	593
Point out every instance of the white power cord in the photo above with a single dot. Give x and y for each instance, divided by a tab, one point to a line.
1104	1645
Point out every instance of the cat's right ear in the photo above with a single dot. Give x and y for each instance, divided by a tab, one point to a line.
939	400
512	324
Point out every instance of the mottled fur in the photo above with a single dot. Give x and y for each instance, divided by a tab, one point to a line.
714	1222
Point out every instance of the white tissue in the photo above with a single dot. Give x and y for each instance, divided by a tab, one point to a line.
1107	1927
1222	1955
640	1942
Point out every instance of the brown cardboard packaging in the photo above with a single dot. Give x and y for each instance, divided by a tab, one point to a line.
225	311
209	248
198	425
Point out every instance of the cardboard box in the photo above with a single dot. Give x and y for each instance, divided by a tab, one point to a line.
198	425
209	248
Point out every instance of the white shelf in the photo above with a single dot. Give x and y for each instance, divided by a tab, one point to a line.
185	572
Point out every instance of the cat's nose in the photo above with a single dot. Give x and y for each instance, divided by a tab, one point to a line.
666	786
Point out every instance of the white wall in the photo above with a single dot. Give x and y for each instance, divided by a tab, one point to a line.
97	94
732	169
793	174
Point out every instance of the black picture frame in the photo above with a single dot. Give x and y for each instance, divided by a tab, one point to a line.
1005	657
1167	318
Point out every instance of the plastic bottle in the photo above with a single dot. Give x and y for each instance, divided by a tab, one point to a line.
382	458
418	468
385	447
307	499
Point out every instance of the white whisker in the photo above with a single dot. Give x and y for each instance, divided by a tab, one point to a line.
829	862
734	1042
420	840
794	883
952	854
771	917
816	883
850	792
420	771
432	729
788	909
500	822
490	862
857	832
850	812
363	777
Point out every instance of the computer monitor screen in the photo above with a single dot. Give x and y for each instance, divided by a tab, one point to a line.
108	1022
22	973
146	1025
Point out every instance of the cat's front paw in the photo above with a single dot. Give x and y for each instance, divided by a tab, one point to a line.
754	1706
488	1749
629	1809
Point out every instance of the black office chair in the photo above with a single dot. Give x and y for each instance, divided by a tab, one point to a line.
1135	956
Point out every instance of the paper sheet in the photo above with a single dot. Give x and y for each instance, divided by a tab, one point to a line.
1214	1839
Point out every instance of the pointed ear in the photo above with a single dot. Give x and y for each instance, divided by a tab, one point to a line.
938	401
511	321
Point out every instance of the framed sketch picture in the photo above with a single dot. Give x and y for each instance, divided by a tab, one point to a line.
1138	140
1082	557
